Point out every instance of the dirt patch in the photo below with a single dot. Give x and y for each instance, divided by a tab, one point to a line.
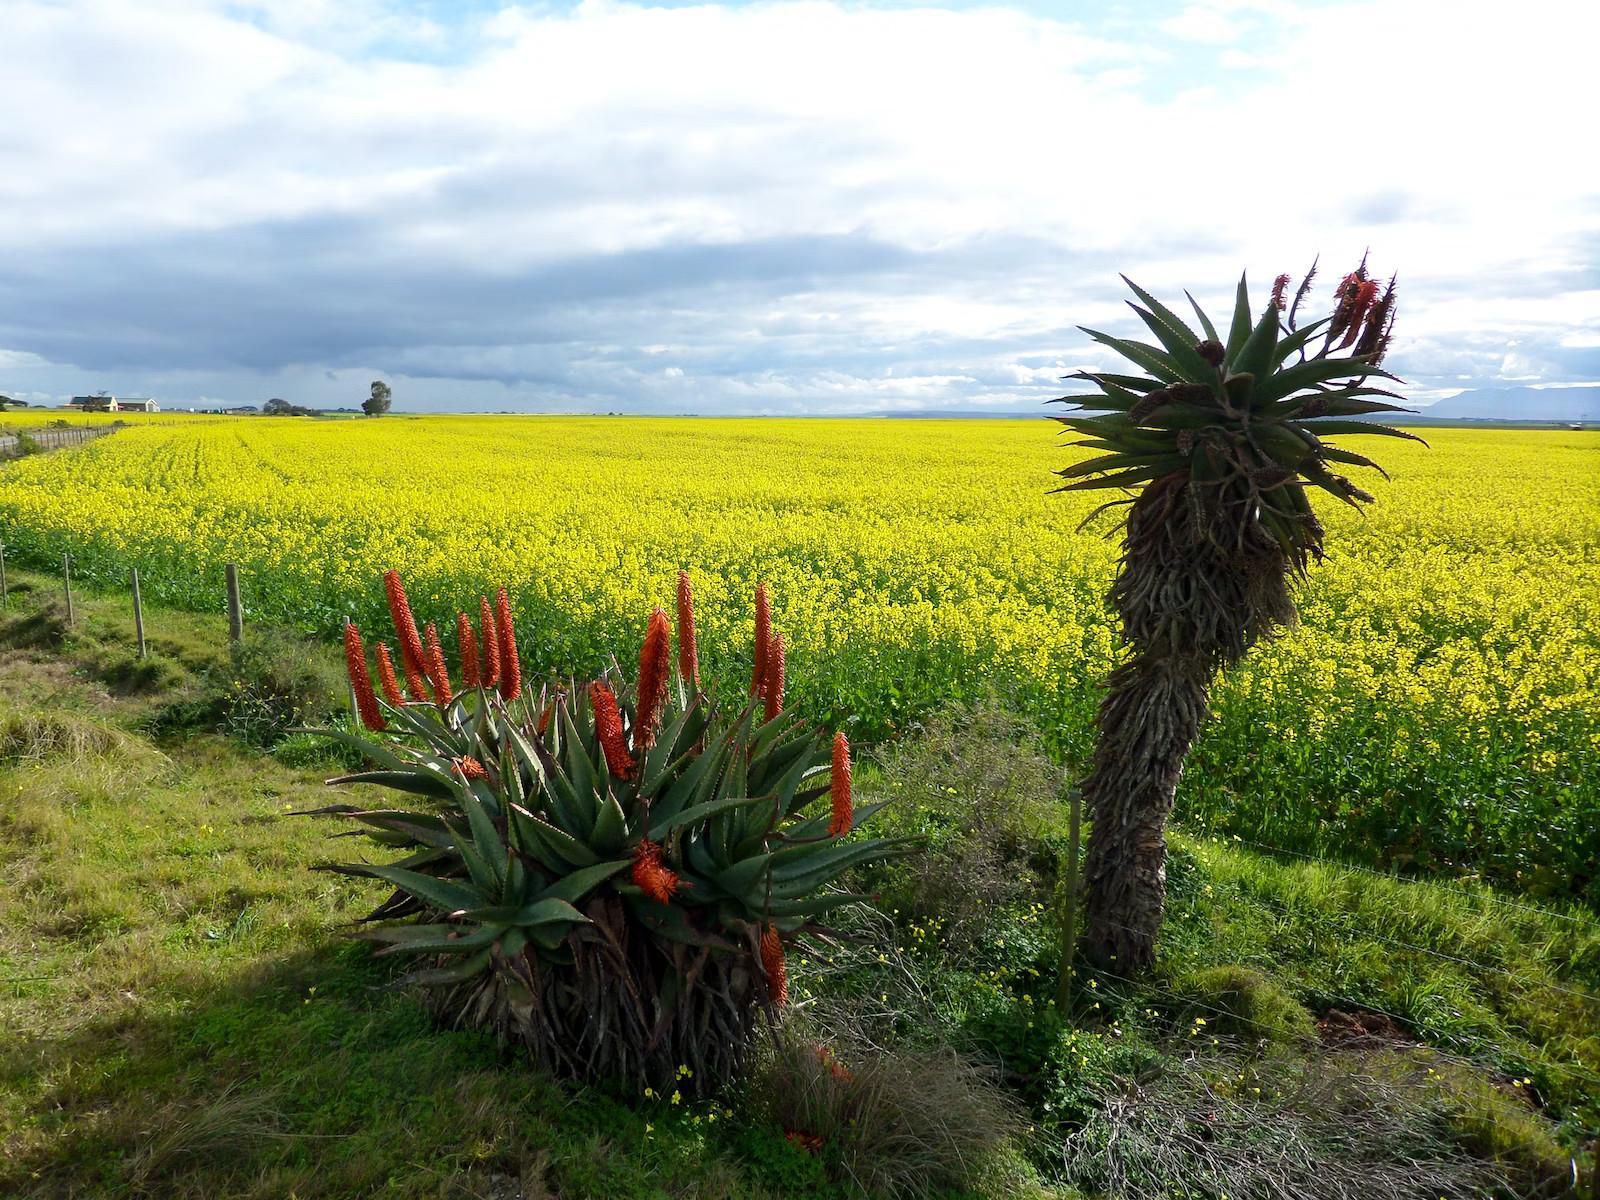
1345	1029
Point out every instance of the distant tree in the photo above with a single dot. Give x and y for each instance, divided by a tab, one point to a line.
277	408
377	404
8	402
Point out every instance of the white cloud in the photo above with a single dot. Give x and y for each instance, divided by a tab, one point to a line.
298	158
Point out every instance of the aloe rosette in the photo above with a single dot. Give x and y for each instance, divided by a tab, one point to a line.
605	874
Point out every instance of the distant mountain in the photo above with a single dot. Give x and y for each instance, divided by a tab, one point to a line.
1519	404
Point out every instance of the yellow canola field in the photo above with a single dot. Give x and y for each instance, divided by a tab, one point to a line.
1438	705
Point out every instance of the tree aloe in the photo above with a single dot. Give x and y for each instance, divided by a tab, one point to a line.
1218	441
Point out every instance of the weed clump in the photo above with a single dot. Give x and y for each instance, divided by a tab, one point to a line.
31	736
900	1122
1244	1003
977	784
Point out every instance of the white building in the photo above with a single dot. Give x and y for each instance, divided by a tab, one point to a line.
106	403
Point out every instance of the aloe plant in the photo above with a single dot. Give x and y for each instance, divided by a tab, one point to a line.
1218	443
606	874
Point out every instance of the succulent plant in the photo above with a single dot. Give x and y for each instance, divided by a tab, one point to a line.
1216	444
606	875
1240	424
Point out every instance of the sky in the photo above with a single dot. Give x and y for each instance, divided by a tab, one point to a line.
796	206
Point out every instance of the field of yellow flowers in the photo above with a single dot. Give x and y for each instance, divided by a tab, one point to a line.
1438	708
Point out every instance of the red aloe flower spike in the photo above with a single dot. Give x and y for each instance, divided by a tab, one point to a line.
1279	286
391	687
774	682
688	653
773	964
355	661
510	665
1379	320
652	875
467	642
1366	293
438	674
491	643
843	806
405	628
758	677
608	728
470	768
655	671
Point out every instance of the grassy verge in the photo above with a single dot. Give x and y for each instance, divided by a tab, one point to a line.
186	1019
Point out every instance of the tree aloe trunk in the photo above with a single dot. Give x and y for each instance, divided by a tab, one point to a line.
1191	603
1148	720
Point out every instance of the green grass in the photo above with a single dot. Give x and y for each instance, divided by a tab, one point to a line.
185	1018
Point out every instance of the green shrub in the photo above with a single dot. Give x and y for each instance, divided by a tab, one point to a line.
1243	1003
272	683
976	783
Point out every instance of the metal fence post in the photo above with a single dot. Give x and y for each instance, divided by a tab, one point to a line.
66	583
235	608
5	597
138	613
1069	913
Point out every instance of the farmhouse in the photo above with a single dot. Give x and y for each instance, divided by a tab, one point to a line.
106	403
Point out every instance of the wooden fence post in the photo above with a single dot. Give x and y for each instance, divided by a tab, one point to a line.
138	613
235	608
1069	914
66	583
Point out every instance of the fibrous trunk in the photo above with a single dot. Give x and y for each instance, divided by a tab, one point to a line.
1200	583
1147	722
629	1012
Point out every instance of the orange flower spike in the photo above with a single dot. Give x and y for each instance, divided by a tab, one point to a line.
438	673
471	768
655	671
510	665
391	687
843	806
608	728
774	683
405	628
758	677
688	652
467	642
544	717
491	643
355	661
772	962
652	875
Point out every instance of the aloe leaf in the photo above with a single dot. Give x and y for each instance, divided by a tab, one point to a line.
1322	428
1240	330
1158	362
575	886
447	897
437	976
1255	356
417	782
661	826
1350	457
1177	328
1205	321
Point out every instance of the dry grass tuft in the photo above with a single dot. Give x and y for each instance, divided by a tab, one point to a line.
899	1122
33	736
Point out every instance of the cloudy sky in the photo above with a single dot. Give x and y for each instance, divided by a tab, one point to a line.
791	206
